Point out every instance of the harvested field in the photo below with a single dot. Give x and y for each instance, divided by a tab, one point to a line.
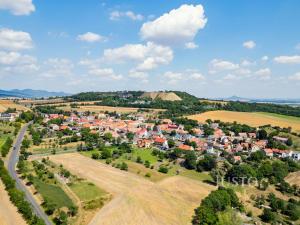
255	119
99	108
137	200
8	212
5	104
293	178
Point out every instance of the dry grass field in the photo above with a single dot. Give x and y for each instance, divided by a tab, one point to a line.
5	104
8	212
137	200
293	178
41	101
255	119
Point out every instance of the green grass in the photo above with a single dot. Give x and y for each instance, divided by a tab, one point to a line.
145	154
291	118
53	194
87	191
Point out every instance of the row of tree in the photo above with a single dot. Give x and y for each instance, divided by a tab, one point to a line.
17	197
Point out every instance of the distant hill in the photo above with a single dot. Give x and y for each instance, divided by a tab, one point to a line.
165	96
29	93
261	100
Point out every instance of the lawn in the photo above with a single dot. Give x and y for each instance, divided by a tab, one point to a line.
145	154
87	191
53	194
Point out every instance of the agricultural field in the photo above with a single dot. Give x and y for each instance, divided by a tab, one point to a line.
255	119
8	212
136	199
5	104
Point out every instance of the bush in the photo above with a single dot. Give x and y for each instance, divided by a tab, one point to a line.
163	169
268	216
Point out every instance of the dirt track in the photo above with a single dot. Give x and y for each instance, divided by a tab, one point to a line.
137	200
8	212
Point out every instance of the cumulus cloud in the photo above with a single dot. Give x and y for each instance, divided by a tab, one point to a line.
265	58
191	45
148	56
219	65
54	67
231	77
18	7
197	76
116	15
90	37
263	74
295	77
105	73
295	59
246	63
179	26
17	62
15	40
249	44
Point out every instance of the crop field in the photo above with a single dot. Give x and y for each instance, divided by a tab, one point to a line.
293	178
5	104
137	200
8	212
255	119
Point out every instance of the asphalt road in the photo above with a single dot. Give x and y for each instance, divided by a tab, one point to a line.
13	160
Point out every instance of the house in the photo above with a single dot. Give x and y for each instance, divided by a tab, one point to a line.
185	147
296	156
281	139
269	152
54	127
7	117
252	135
142	133
144	143
237	158
161	142
166	121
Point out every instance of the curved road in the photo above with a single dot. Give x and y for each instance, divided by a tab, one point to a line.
13	160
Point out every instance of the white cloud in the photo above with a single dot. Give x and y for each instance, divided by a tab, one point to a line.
265	58
178	26
18	7
138	74
297	46
90	37
106	73
14	40
295	59
246	63
13	62
249	44
219	65
231	77
148	56
191	45
263	74
295	77
197	76
55	67
172	78
243	71
116	15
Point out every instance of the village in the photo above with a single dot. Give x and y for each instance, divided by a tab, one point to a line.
164	134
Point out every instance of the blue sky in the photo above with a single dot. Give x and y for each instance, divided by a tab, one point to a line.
217	48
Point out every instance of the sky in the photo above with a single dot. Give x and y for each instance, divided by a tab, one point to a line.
209	48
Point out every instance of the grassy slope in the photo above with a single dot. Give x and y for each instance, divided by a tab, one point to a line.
53	194
87	191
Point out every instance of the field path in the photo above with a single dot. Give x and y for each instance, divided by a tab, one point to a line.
8	212
137	200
